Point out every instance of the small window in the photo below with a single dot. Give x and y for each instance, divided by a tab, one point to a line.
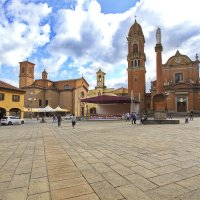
15	98
40	102
46	102
1	96
178	77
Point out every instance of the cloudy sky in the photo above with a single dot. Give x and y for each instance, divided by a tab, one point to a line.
74	38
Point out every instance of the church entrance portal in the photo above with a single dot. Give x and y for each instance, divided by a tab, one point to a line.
181	104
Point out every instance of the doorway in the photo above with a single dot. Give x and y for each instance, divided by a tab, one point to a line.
181	104
2	112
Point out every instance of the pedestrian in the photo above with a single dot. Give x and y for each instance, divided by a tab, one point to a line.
186	119
73	120
170	115
127	117
59	120
143	118
191	115
133	117
54	118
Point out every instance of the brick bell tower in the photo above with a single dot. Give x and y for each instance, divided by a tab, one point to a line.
26	74
136	65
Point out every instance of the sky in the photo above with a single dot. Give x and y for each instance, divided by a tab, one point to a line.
74	38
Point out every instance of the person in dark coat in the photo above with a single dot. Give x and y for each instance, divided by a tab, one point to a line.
191	115
59	120
133	117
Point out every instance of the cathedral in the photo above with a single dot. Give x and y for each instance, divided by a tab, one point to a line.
66	94
177	80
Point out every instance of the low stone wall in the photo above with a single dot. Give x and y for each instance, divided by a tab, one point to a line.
160	121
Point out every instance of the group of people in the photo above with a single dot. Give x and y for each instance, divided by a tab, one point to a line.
133	117
59	119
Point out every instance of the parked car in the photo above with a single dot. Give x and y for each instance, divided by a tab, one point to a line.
10	120
68	117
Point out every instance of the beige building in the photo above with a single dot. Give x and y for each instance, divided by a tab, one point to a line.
42	92
11	100
100	90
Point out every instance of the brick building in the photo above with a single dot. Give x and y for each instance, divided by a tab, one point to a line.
42	92
178	80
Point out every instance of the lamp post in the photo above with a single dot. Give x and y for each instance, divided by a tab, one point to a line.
31	99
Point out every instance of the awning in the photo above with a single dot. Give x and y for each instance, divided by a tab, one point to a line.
48	109
105	99
59	109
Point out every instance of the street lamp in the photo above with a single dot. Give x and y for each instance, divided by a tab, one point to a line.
31	99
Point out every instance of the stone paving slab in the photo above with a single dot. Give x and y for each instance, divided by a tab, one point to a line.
99	161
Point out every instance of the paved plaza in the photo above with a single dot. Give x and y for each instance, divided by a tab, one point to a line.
111	160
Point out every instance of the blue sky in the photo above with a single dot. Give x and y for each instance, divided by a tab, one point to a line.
71	38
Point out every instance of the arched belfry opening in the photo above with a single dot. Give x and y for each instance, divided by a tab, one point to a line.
135	48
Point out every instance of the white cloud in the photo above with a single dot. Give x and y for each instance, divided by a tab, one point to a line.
21	31
88	35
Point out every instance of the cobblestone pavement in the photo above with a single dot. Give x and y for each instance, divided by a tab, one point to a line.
100	160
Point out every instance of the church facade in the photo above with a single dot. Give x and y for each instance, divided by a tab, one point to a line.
178	77
42	92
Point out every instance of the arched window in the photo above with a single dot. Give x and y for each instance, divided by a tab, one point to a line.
135	48
138	63
132	63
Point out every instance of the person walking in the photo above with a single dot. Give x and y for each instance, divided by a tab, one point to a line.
59	120
127	117
133	117
73	120
191	115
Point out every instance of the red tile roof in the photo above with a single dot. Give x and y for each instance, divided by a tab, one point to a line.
4	85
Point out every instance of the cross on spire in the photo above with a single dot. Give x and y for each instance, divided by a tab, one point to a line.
177	46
